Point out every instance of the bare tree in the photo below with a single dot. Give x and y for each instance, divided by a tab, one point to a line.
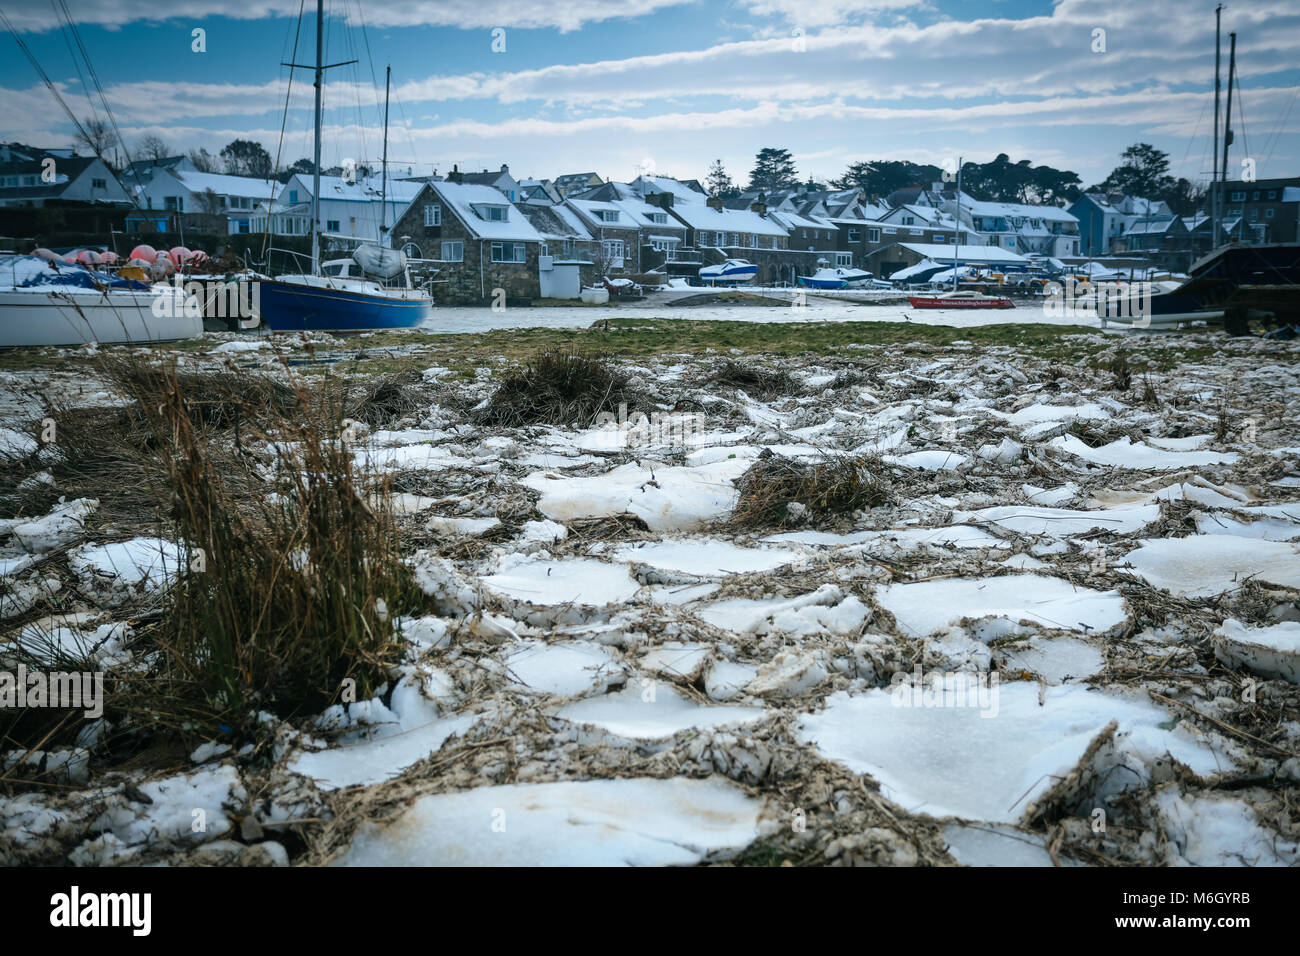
95	135
203	161
152	147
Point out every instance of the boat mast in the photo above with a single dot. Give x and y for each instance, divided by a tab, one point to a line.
1214	156
315	169
383	188
956	237
1227	116
318	69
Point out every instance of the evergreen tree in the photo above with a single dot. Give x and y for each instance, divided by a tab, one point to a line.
719	183
773	169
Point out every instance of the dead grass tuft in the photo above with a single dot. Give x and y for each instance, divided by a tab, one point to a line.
756	382
557	388
841	484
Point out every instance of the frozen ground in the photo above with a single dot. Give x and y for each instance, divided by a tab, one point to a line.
812	308
1070	635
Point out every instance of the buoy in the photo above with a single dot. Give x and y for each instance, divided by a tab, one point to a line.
147	253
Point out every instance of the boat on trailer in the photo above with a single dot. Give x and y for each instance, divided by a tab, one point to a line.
839	278
731	272
960	300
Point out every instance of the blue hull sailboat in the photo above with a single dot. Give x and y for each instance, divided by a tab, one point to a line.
348	295
291	304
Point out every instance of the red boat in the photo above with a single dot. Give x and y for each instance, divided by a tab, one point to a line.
960	300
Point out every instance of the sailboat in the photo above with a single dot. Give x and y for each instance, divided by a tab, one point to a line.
350	294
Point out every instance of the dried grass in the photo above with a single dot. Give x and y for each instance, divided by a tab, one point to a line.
840	484
557	388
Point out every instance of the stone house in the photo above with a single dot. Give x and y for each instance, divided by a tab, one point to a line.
475	239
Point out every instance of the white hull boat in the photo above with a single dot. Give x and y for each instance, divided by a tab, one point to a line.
731	272
45	316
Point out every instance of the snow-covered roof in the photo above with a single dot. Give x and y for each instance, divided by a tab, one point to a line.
682	193
363	190
700	216
227	185
572	220
467	200
1149	227
1015	210
792	220
943	251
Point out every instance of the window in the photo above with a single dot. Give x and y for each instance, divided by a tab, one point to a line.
855	235
493	213
243	227
607	215
916	232
509	252
432	214
331	225
613	248
175	203
1272	194
873	235
1238	196
667	246
293	196
1255	195
909	220
1268	213
453	252
844	259
99	184
659	218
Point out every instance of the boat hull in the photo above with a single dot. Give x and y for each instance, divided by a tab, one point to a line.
292	307
66	318
813	283
938	302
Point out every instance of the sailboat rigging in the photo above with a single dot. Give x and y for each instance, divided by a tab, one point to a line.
343	295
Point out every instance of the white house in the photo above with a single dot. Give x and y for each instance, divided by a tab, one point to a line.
348	210
234	197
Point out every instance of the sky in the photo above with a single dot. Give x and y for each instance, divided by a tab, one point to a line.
620	87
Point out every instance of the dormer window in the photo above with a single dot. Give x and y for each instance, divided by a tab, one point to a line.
607	215
491	213
659	218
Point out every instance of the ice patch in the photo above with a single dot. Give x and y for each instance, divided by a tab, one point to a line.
619	822
924	607
952	761
1205	565
1272	651
653	711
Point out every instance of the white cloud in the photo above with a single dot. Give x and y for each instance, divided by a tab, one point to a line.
564	15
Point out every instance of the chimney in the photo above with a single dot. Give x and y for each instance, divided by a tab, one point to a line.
505	168
759	207
714	202
662	200
455	176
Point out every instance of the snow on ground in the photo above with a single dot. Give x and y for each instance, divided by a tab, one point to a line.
626	822
606	670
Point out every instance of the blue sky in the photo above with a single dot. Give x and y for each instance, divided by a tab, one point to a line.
617	86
